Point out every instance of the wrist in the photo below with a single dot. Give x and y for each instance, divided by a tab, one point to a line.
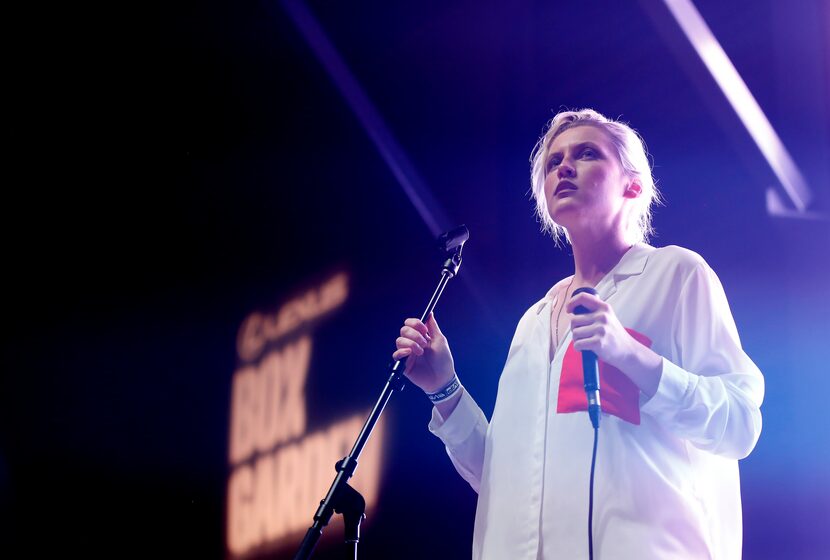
446	391
644	367
446	408
437	386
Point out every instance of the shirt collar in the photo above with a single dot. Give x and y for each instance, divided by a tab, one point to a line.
632	263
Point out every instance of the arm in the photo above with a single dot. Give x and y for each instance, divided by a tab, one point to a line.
463	433
458	421
709	392
712	395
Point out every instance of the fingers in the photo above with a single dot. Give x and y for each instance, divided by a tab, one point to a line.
412	334
407	343
417	325
402	354
588	331
592	343
427	330
413	341
595	318
408	352
589	301
416	337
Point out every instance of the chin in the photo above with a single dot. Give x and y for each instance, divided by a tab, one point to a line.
562	216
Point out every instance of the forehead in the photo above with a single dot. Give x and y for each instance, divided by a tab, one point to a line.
581	134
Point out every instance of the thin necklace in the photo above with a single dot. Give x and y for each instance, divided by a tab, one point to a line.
561	305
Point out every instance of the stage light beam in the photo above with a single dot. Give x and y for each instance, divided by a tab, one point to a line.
742	101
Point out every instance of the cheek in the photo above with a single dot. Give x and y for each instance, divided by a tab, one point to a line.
600	180
595	175
550	185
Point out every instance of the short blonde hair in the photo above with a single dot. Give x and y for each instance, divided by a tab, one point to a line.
631	154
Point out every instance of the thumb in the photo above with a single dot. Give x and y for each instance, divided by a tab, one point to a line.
432	325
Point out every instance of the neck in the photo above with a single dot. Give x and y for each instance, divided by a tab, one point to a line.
594	257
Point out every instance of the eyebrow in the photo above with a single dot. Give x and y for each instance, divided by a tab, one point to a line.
581	145
577	147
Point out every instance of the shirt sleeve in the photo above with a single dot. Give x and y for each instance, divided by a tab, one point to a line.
463	434
712	395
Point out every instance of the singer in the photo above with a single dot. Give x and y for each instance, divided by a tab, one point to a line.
680	400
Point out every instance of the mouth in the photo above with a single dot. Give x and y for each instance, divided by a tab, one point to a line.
564	186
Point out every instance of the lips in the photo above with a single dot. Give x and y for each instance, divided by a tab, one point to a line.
564	186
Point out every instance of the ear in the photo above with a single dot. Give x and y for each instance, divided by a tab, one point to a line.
634	189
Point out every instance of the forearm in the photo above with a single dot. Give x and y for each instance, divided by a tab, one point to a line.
718	413
446	408
463	432
644	367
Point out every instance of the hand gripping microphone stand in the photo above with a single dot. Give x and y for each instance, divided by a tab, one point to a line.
342	498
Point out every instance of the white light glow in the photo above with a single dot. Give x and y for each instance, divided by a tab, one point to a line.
742	101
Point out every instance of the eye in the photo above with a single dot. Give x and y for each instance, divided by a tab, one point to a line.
553	162
589	153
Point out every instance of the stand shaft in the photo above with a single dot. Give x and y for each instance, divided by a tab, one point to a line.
341	497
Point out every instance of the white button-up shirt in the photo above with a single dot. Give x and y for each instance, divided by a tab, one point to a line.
665	488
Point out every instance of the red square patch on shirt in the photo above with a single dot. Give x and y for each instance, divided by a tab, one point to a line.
618	394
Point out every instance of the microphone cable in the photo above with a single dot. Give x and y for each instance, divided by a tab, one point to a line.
591	499
590	372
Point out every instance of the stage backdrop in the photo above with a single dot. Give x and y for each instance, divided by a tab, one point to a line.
229	209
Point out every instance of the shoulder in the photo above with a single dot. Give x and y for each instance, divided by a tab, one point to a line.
685	274
676	260
677	256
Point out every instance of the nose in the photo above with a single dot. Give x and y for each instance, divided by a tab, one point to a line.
565	170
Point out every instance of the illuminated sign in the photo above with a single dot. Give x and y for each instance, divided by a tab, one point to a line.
279	472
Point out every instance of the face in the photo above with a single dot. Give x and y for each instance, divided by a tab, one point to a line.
585	185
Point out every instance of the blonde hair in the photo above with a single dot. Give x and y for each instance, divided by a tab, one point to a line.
631	154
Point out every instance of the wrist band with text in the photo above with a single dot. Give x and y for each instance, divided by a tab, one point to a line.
445	392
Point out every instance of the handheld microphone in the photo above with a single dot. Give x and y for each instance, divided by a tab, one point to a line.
590	368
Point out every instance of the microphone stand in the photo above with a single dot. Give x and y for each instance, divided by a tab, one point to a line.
342	498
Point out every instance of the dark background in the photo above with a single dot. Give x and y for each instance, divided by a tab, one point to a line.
173	168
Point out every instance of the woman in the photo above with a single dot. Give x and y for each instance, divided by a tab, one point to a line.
680	399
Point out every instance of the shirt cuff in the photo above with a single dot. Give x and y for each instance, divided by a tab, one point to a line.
671	391
456	429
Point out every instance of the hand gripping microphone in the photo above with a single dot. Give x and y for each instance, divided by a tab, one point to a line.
590	368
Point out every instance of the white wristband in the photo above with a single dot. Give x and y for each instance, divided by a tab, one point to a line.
446	391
